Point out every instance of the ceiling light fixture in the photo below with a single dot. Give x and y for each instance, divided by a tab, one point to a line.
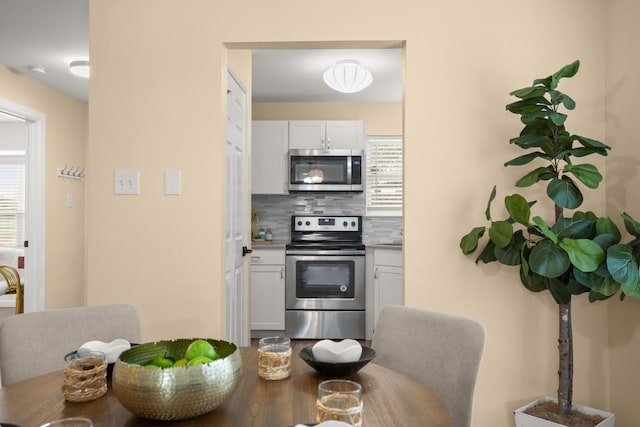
347	76
80	68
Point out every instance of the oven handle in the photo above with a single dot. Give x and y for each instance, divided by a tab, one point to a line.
316	252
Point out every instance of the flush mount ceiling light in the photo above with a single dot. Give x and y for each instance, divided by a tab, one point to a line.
347	76
80	68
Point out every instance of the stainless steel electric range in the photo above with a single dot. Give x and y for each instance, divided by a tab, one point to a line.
325	278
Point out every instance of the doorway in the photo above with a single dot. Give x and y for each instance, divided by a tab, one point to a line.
35	219
281	206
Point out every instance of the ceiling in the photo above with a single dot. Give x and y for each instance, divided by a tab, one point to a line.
39	38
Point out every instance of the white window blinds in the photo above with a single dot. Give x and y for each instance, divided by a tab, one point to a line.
384	175
12	184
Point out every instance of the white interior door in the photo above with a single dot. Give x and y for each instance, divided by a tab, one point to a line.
35	254
237	216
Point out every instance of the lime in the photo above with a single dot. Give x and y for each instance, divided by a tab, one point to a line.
200	348
199	360
181	362
162	362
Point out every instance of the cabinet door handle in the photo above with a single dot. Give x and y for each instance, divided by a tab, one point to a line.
328	143
323	144
375	273
282	272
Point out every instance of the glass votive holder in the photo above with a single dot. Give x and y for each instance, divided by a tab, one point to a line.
339	400
70	422
274	358
85	376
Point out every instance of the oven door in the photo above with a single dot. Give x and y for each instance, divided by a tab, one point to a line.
324	280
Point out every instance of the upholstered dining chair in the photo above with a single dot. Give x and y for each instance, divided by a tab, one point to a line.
12	278
35	343
440	350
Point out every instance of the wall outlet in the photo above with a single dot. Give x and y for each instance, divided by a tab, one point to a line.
126	182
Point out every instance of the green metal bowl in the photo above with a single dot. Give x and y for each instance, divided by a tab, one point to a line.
175	393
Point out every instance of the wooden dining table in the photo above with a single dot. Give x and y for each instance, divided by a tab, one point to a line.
389	398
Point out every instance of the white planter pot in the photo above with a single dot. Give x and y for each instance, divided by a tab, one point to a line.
526	420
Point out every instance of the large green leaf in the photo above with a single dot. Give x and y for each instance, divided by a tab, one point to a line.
548	259
500	233
622	265
527	105
560	291
532	177
531	141
523	160
604	225
631	225
591	143
544	229
558	98
529	92
564	193
487	212
568	70
587	174
511	254
633	291
518	208
605	286
583	253
487	254
469	241
532	281
558	119
582	152
576	229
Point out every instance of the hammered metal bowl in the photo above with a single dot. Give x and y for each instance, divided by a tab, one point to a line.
175	393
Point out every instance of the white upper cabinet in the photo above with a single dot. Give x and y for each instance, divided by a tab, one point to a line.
326	135
269	161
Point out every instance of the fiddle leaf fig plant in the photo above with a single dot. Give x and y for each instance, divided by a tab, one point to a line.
570	253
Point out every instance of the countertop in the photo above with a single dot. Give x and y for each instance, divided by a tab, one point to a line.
382	245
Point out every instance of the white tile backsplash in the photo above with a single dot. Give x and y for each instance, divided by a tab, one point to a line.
274	211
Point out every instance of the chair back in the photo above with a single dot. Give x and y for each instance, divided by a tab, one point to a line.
35	343
442	351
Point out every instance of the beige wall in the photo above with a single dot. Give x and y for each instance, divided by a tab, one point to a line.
66	136
157	101
623	177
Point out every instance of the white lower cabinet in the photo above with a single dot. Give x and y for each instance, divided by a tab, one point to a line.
267	289
385	283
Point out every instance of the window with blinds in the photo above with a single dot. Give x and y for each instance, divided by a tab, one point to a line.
384	175
12	184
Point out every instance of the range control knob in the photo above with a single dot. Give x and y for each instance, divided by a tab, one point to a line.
344	224
299	222
353	223
308	223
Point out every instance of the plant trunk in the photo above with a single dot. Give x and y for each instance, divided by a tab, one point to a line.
565	351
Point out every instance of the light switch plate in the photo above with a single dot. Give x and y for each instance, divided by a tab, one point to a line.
172	182
126	182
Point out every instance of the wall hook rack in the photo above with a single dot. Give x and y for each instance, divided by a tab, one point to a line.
71	172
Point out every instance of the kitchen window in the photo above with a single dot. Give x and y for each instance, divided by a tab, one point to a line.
12	184
384	175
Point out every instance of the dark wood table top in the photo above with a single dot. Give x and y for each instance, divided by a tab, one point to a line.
390	398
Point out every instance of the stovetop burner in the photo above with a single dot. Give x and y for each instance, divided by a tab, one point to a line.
326	232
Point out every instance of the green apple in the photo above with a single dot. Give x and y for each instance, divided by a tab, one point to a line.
201	348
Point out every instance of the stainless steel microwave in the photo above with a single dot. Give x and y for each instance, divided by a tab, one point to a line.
326	170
